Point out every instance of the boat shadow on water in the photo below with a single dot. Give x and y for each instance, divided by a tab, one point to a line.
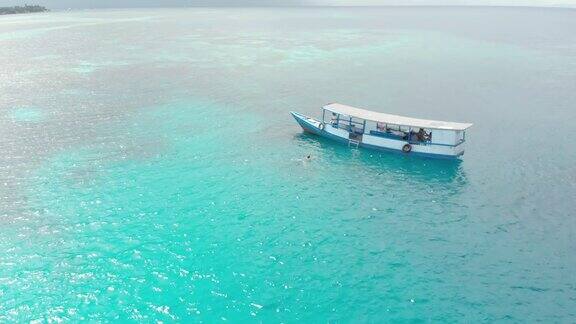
410	167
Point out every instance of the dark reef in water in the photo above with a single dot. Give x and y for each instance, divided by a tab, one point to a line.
20	9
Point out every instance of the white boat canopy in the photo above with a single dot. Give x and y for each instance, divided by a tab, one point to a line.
394	119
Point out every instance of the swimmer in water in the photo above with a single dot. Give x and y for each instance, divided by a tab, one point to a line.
308	158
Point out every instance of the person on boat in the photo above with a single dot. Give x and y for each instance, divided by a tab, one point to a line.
334	120
421	135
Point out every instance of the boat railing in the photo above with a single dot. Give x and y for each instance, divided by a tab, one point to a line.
412	142
436	144
350	127
386	135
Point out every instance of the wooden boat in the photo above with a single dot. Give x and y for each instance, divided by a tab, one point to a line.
374	130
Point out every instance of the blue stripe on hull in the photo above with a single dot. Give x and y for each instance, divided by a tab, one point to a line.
301	119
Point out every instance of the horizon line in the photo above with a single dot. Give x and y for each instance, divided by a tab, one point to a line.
327	6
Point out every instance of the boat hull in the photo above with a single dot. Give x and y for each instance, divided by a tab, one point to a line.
314	126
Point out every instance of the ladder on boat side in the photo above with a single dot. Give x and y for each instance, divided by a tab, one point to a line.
353	142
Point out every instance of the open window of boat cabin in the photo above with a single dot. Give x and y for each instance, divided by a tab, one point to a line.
378	128
346	122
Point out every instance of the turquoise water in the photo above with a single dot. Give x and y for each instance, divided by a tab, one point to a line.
150	170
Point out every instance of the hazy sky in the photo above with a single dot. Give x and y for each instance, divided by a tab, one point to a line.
170	3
